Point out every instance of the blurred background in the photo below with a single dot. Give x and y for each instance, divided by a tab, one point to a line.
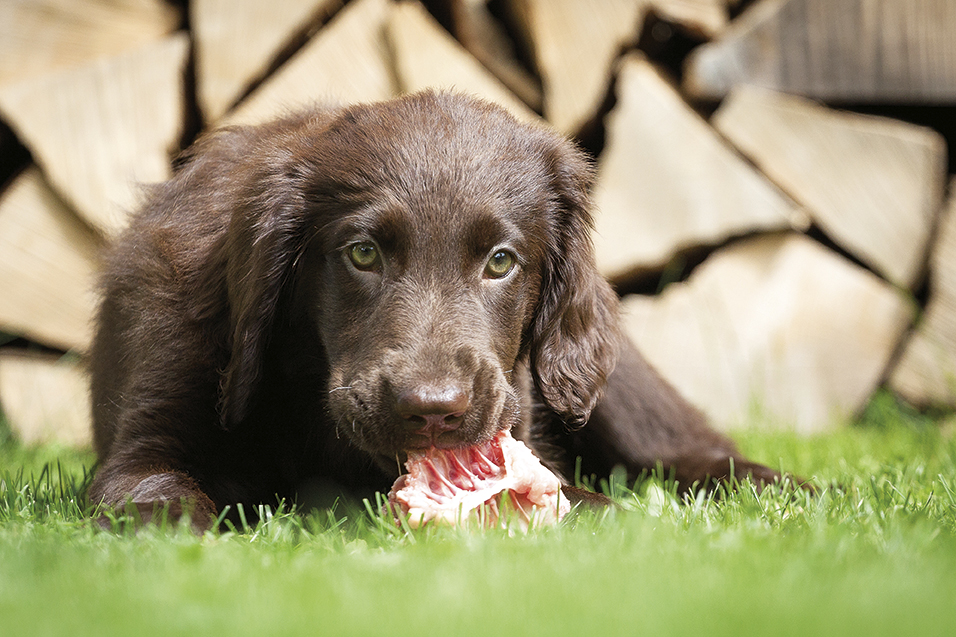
773	196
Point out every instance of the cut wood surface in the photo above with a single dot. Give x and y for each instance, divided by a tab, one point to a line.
575	43
926	373
45	399
667	182
101	130
237	41
847	50
485	38
426	56
40	36
347	61
873	184
48	257
775	330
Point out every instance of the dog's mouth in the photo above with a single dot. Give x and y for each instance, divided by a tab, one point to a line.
418	441
450	486
368	410
477	435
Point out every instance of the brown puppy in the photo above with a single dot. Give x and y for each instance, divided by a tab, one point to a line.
307	300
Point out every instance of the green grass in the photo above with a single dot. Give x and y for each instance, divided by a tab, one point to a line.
874	553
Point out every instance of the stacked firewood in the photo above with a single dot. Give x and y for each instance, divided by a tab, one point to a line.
771	191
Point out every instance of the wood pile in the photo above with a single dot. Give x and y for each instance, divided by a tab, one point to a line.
772	175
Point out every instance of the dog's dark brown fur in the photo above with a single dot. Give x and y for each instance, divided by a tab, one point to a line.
242	353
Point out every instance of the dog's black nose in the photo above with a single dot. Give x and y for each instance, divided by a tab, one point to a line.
431	410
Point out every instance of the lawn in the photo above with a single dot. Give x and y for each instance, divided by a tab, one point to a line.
873	553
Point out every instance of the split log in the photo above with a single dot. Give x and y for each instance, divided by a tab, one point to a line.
926	373
874	185
427	56
45	399
48	257
667	182
775	331
706	18
839	50
40	36
347	61
237	42
575	43
486	39
100	130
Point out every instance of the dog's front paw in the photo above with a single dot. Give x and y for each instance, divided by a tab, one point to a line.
166	497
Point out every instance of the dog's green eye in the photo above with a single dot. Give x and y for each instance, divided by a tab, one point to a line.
364	255
500	264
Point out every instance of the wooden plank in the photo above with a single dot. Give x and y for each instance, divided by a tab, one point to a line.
774	331
238	40
40	36
667	182
426	56
926	372
873	184
100	130
46	399
575	43
48	258
846	50
346	62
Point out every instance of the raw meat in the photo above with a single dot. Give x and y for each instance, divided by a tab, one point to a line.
450	486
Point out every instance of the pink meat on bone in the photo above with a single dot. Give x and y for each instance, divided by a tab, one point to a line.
450	486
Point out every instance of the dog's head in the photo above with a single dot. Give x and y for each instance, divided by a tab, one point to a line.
435	245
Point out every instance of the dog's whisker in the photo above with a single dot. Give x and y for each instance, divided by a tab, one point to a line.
340	388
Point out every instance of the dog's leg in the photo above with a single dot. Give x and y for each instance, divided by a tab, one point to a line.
642	423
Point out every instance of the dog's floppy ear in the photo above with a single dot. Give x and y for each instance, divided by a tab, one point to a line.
265	237
575	336
257	273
